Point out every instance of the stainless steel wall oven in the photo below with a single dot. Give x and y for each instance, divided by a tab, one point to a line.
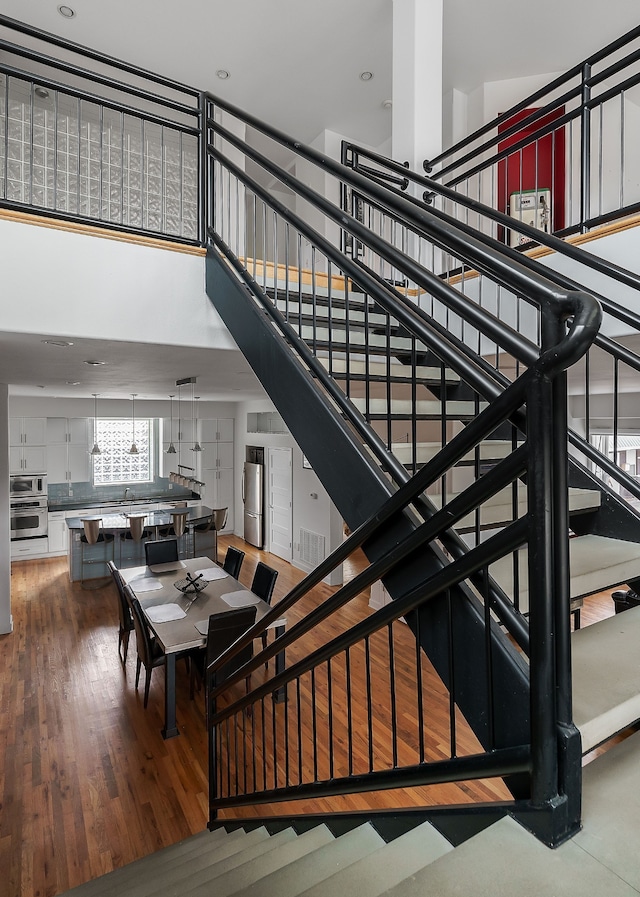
28	505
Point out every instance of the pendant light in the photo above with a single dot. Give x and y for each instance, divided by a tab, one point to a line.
194	423
134	448
96	450
172	449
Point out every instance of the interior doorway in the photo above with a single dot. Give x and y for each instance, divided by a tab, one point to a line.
279	502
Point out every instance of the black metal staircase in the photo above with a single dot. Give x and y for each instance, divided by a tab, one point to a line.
423	372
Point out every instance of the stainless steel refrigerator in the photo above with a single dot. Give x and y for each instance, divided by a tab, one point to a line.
252	496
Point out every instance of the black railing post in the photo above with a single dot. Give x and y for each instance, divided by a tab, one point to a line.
213	757
585	148
203	203
540	423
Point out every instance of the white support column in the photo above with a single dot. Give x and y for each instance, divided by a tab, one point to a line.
417	81
6	621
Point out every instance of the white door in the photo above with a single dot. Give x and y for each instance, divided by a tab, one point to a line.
279	490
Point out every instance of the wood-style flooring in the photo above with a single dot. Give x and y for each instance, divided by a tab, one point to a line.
87	783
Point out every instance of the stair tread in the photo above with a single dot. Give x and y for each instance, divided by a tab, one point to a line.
611	809
489	451
606	676
338	313
381	369
191	880
597	563
240	878
338	334
422	406
318	865
505	860
184	851
386	866
498	509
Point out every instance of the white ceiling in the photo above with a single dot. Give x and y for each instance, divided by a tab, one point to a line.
296	64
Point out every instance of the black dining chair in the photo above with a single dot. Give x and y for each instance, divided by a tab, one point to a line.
124	611
264	580
161	551
149	651
233	561
224	629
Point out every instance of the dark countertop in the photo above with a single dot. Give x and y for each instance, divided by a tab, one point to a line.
72	504
153	518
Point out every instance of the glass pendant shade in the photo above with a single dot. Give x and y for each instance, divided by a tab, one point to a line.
172	449
194	423
96	450
134	448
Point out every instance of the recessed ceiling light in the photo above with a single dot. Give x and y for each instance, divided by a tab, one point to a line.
366	76
95	363
72	382
223	74
66	11
63	343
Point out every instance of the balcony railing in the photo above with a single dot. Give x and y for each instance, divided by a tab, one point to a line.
109	144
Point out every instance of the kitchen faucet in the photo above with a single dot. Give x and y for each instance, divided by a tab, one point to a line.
126	493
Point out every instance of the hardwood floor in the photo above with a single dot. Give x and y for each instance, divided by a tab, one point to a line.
87	783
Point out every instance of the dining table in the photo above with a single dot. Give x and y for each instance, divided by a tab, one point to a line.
179	621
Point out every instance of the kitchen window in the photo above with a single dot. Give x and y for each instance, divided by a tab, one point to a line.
115	465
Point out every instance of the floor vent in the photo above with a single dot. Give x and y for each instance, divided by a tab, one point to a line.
311	548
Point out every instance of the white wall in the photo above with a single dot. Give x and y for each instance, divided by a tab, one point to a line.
317	515
93	280
6	622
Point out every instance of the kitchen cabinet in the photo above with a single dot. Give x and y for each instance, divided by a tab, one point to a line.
183	441
216	464
216	455
28	459
27	431
57	532
216	430
27	452
68	459
68	430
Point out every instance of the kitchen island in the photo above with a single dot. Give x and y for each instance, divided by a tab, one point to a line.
126	552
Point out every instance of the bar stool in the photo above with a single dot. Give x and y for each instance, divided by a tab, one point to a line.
136	533
93	535
214	524
179	522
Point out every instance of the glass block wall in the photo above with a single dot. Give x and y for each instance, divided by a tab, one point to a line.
64	154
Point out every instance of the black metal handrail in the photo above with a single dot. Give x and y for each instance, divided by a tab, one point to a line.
575	71
574	106
620	354
533	387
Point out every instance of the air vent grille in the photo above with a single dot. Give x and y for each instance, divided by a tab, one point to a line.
311	547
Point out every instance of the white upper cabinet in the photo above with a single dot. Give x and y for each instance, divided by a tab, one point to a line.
27	430
216	430
27	437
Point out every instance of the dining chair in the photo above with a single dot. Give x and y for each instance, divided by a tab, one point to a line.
233	561
264	580
161	551
124	612
224	629
149	651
